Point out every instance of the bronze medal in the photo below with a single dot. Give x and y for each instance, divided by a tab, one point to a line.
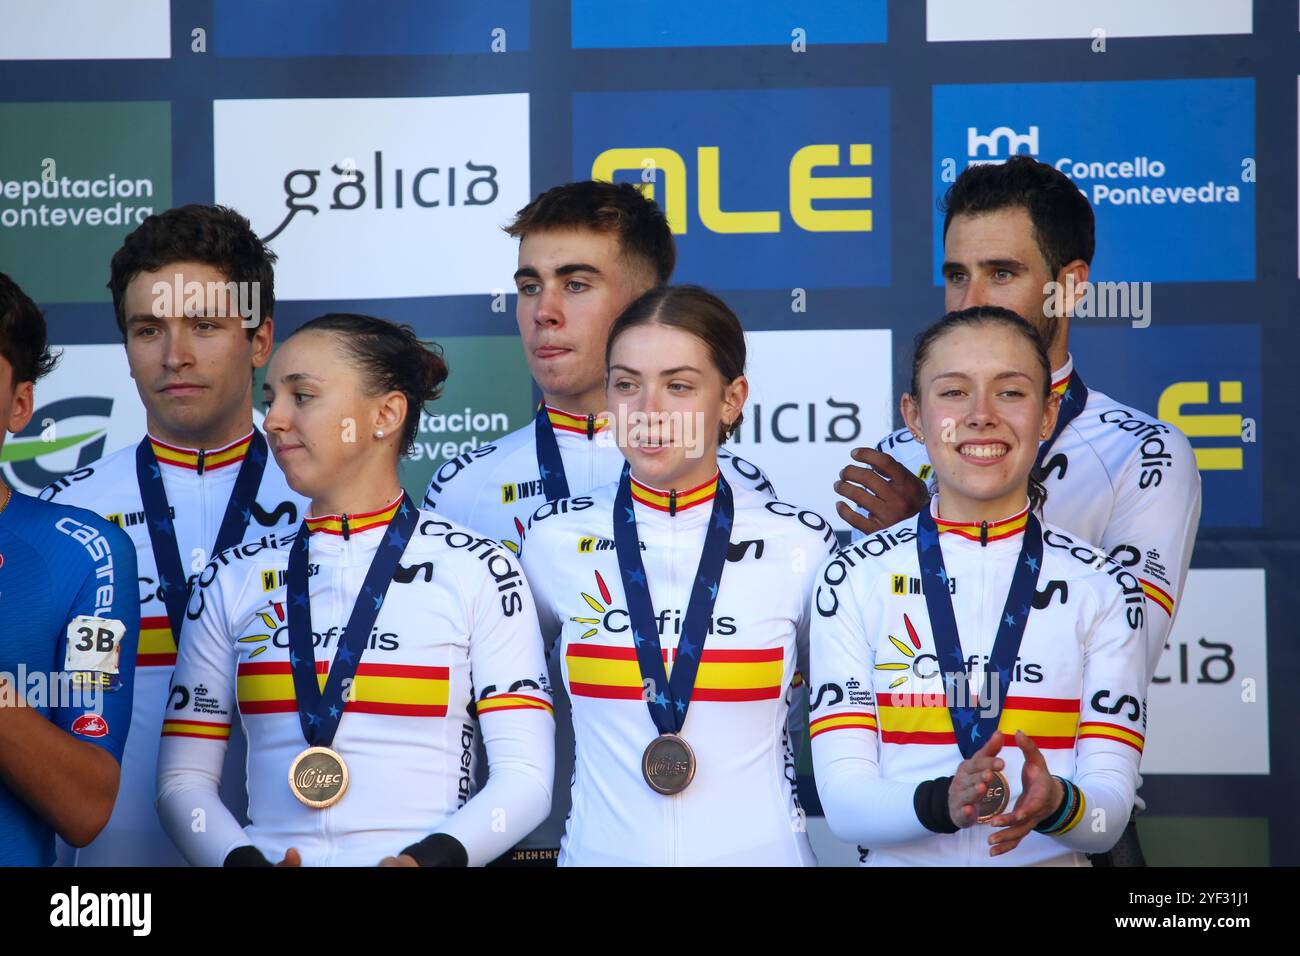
668	764
318	777
995	799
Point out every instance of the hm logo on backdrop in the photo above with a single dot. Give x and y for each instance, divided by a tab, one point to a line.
1168	165
762	188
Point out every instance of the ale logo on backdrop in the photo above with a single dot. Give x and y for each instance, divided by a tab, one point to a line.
762	188
378	198
1205	380
684	23
75	178
1167	165
815	395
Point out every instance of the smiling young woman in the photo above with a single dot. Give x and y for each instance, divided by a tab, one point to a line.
910	717
352	649
680	602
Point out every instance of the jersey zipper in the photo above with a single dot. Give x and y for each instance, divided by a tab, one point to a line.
591	427
203	456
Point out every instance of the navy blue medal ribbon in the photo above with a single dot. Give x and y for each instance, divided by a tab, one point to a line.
1072	402
320	711
668	711
549	463
975	721
173	581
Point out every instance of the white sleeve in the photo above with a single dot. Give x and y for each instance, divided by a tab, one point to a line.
1112	729
861	807
540	570
515	715
193	746
1152	532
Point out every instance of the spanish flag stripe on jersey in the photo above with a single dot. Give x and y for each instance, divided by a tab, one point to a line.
858	720
187	458
1158	596
654	498
1104	731
397	689
204	729
724	675
157	647
333	524
499	702
997	530
917	718
567	421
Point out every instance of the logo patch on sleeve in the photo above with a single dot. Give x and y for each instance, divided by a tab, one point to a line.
90	725
94	645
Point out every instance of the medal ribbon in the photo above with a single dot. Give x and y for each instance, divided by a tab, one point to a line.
173	582
973	722
668	711
1072	402
549	462
320	711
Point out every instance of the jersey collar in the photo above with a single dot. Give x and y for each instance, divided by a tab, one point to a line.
198	459
982	532
347	525
573	423
675	502
1061	376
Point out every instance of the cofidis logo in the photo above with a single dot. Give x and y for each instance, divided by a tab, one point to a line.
1168	165
762	188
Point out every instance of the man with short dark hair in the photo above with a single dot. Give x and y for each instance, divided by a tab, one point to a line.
67	638
586	251
1020	235
193	291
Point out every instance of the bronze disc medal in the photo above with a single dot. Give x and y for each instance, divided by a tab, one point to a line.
318	777
995	799
668	764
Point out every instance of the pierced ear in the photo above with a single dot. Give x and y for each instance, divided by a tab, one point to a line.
910	409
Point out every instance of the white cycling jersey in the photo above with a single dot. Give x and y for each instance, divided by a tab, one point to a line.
455	647
880	723
198	486
742	807
493	489
1119	479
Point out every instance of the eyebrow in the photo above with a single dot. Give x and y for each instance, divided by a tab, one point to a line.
1000	375
1013	264
293	377
528	272
668	371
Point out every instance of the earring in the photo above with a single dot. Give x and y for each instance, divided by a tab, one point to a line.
920	438
380	433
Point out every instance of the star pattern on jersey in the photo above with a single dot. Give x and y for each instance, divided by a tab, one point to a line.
247	515
712	588
722	522
636	638
394	539
686	649
162	525
637	577
631	515
345	656
1009	619
661	700
300	600
543	471
681	706
334	712
313	719
155	472
1031	562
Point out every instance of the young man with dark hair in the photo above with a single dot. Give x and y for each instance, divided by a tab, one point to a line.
586	251
1020	235
68	640
193	290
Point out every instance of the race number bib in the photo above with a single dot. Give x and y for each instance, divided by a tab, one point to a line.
94	645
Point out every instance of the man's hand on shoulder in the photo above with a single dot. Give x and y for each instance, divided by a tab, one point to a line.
884	487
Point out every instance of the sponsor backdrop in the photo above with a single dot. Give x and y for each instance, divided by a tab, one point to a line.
798	150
